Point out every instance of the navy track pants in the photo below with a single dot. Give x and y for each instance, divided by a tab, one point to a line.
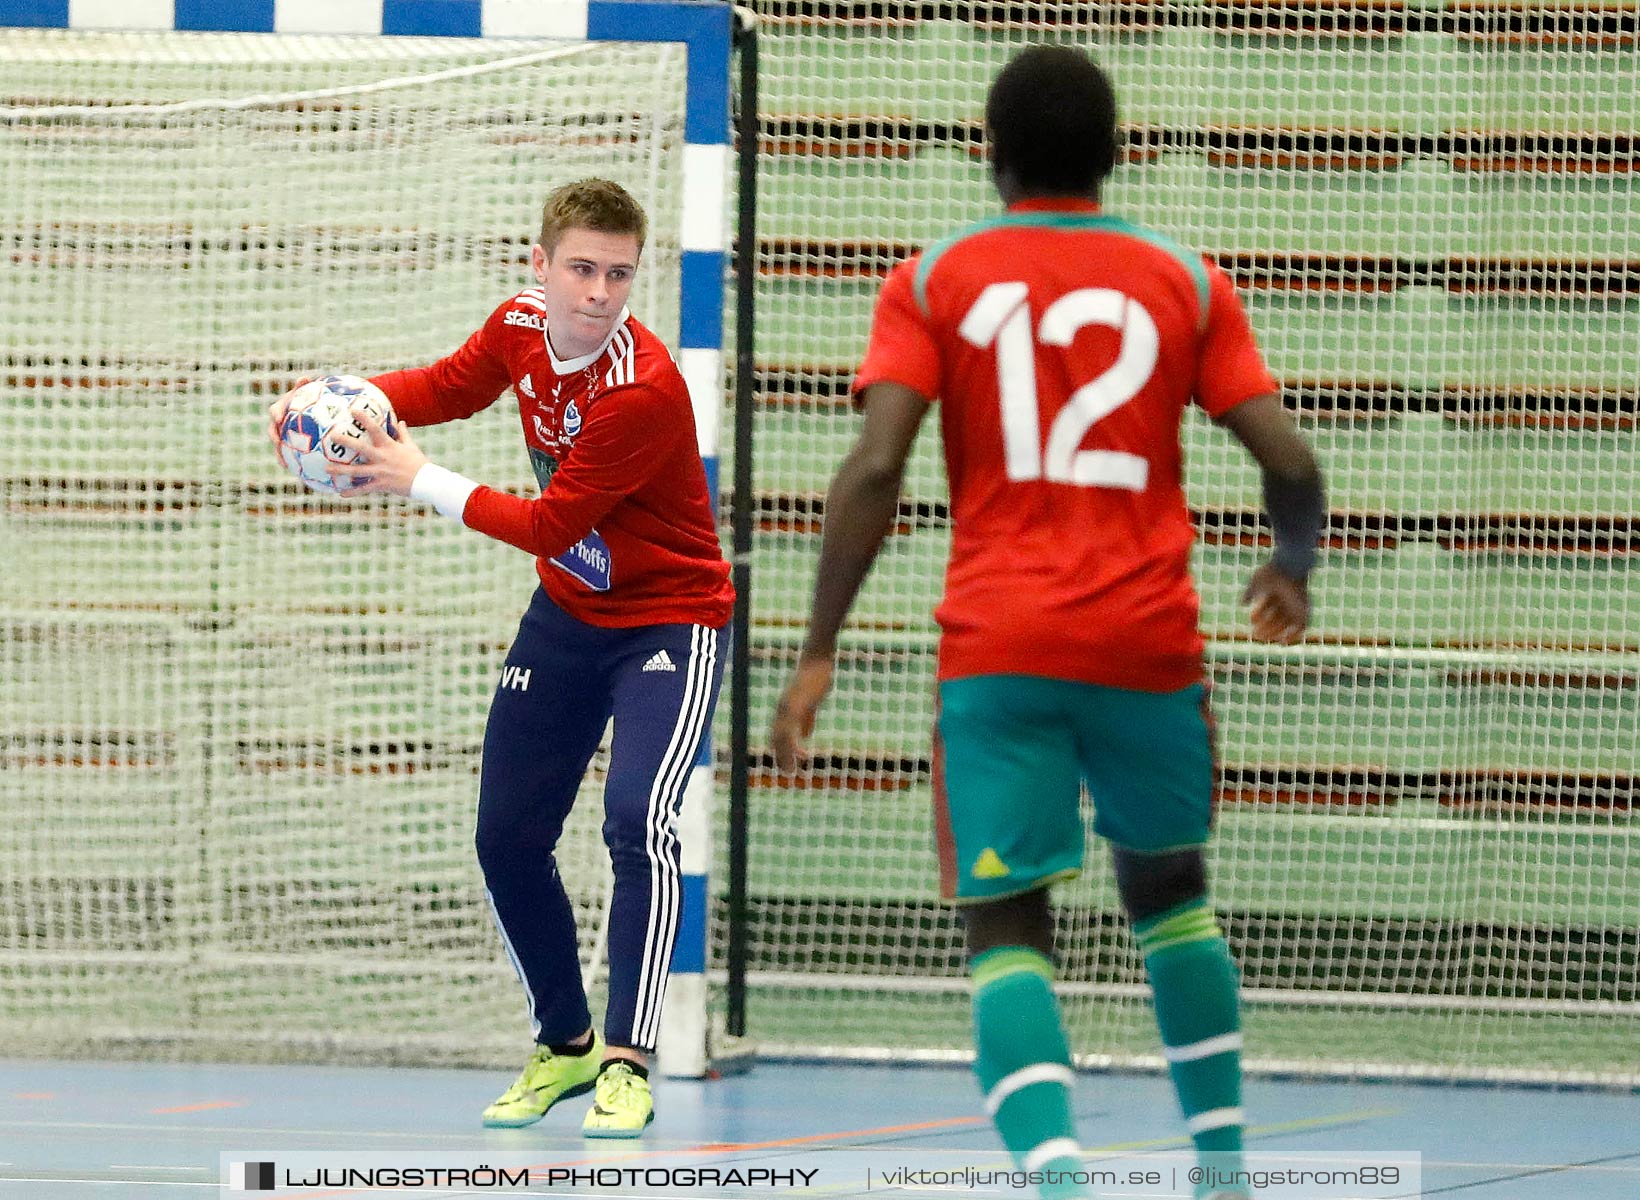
562	681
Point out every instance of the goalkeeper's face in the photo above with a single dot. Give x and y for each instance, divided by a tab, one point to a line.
587	278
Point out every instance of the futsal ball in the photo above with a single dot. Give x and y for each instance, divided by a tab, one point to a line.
321	428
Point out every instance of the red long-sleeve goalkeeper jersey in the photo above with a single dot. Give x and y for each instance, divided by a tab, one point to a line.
623	530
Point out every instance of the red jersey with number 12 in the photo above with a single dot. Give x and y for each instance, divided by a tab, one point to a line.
1063	345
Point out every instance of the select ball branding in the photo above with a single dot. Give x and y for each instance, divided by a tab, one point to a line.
321	428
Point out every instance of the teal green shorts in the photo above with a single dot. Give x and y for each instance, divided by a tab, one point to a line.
1011	754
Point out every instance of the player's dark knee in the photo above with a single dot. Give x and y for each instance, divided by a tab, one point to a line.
508	840
1153	883
1023	920
497	849
629	835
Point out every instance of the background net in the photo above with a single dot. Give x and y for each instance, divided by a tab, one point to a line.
240	723
1427	852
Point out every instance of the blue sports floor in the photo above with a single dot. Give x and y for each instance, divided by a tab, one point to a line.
88	1129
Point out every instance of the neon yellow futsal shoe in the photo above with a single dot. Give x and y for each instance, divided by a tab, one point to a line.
547	1079
622	1106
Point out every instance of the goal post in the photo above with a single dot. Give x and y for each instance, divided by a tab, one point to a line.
225	845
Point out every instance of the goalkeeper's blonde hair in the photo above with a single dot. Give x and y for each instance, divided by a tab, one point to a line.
595	204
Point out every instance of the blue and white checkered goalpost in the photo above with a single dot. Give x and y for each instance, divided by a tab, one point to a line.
703	29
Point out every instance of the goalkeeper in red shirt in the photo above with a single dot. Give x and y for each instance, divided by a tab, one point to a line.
628	623
1062	345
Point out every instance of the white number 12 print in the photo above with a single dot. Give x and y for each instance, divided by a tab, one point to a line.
1001	316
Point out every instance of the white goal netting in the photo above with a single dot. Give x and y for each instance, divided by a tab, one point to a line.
240	723
1427	860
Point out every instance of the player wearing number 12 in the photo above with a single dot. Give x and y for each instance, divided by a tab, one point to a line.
1062	345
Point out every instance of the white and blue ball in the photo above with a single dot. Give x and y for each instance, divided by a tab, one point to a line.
321	428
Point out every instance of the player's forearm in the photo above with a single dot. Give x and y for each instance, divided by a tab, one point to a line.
860	511
1294	495
1297	507
443	489
545	527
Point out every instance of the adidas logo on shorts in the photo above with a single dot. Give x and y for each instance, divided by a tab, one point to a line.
660	661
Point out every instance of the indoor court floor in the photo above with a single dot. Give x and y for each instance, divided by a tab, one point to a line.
150	1132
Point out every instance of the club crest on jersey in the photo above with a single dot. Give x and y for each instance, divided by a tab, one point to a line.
527	387
572	419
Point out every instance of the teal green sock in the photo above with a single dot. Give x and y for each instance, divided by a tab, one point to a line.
1024	1062
1194	983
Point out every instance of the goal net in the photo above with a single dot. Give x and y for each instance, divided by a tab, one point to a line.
1426	857
240	722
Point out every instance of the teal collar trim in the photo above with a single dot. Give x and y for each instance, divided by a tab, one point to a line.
1091	222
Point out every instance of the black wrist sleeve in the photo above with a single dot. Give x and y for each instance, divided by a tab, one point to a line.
1297	509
